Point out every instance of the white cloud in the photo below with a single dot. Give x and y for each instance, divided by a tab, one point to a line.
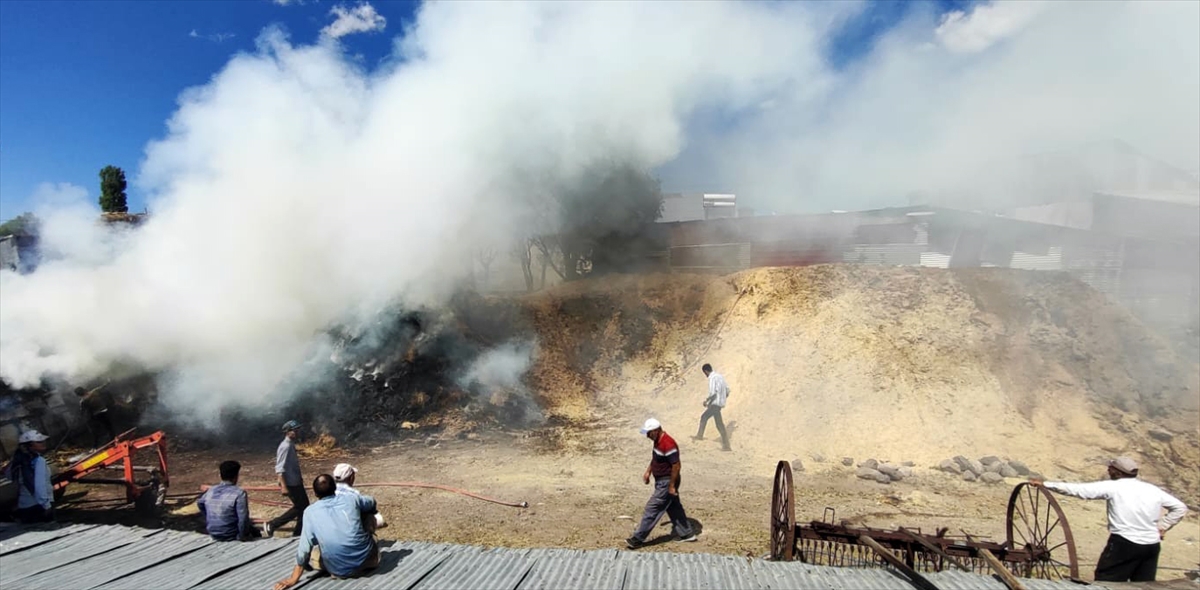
288	2
299	188
986	24
348	21
214	37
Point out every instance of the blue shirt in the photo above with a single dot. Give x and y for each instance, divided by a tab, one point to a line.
335	525
226	512
288	464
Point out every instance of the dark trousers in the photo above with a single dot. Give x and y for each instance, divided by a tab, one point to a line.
299	499
663	503
99	422
34	514
713	411
1126	561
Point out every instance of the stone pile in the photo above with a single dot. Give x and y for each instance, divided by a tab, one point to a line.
883	472
990	469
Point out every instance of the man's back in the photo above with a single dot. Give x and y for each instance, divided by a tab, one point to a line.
335	525
1134	506
226	511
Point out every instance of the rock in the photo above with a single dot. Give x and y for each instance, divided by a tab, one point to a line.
818	458
988	460
992	467
797	465
977	468
963	462
908	464
990	477
1161	435
883	478
1035	475
888	469
869	464
905	472
950	467
1008	471
897	476
847	461
1019	467
867	473
968	476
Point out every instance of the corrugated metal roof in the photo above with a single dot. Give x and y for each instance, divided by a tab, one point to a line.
65	550
197	566
16	538
118	563
115	557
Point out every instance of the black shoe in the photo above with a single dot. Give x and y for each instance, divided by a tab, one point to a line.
633	543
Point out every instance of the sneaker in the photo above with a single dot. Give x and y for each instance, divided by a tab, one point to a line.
268	530
726	449
688	539
697	438
633	543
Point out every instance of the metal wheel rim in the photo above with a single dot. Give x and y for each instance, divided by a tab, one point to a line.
1037	524
783	514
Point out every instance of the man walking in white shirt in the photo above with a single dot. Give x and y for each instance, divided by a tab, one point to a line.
718	394
1136	525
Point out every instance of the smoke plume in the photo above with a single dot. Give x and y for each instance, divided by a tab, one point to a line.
299	188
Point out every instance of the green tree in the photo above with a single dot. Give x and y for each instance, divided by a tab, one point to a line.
22	224
112	190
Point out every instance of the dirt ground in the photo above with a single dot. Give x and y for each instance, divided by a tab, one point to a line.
584	491
894	364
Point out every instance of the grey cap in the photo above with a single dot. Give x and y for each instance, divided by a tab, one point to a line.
1124	465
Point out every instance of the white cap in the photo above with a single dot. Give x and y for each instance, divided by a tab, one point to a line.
650	424
1124	465
343	471
31	436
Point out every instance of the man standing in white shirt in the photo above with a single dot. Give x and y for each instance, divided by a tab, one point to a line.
1136	525
718	394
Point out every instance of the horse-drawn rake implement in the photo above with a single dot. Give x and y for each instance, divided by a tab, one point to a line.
1038	542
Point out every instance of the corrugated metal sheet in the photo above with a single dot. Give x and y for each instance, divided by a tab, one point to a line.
1052	260
955	580
885	254
568	568
401	565
485	569
106	567
193	568
122	557
65	550
654	571
16	538
260	573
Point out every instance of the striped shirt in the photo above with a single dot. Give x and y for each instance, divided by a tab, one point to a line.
666	454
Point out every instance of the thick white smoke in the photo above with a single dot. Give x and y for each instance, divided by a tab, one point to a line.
298	188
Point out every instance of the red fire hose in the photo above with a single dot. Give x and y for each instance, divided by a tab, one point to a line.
397	484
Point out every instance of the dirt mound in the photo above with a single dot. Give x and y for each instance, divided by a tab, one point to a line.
852	360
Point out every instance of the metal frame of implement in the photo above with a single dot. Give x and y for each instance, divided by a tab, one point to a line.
147	494
1038	543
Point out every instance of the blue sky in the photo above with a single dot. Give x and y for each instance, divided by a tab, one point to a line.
87	84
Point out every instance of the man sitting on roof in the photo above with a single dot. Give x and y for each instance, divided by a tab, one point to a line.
334	526
226	508
343	474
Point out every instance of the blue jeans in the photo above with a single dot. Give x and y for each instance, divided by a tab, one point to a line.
661	502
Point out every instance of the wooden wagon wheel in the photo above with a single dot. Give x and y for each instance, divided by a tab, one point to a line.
1037	525
783	514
